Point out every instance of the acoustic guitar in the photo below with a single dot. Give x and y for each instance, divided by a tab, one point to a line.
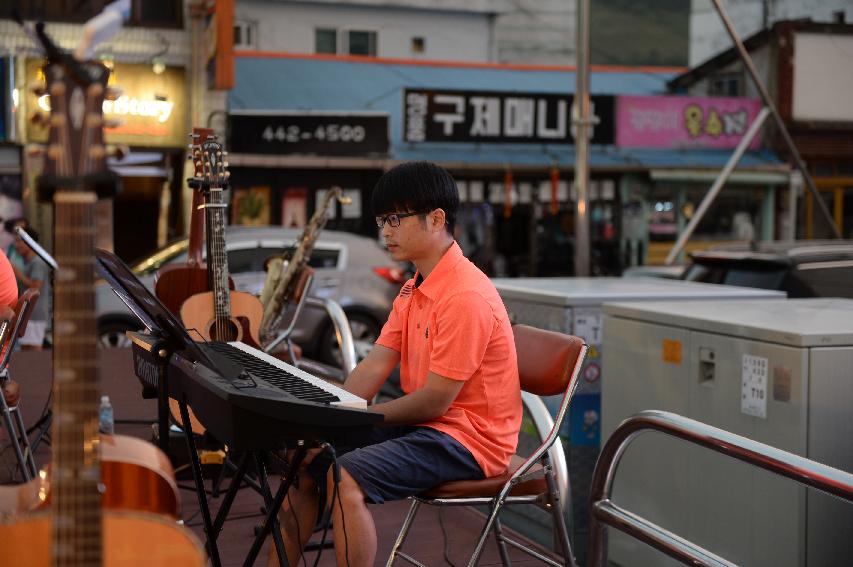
75	531
220	314
174	283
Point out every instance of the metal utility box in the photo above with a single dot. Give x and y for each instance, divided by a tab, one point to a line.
573	306
778	372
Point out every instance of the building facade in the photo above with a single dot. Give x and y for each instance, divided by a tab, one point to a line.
150	60
708	36
806	68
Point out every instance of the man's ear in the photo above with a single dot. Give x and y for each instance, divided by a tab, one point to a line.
438	219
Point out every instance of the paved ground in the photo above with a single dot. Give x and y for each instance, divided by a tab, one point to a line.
134	416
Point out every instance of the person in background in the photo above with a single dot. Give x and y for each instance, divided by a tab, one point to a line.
35	273
12	251
8	283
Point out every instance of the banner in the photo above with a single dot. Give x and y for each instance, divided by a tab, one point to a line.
684	122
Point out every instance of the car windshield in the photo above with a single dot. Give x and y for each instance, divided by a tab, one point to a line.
152	263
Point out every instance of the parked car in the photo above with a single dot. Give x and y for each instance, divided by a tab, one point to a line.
802	268
353	270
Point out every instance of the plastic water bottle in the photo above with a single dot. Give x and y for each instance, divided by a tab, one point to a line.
106	417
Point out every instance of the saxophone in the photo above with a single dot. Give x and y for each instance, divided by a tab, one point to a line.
283	271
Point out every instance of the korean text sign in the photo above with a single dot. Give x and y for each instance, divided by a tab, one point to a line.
498	117
679	122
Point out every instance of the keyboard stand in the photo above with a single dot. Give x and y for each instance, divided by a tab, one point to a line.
150	358
273	504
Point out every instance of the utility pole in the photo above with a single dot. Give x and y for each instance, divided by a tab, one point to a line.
581	120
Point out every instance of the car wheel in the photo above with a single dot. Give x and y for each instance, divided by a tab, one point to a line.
365	331
111	334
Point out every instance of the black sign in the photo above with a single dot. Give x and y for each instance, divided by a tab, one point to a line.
341	134
500	117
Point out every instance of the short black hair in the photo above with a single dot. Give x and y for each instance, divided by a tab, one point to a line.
417	186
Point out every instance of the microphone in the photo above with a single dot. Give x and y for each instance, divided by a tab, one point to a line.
35	247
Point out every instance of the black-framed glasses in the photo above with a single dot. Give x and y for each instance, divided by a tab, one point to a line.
393	219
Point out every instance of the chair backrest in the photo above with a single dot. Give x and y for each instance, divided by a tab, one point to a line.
24	308
546	359
18	324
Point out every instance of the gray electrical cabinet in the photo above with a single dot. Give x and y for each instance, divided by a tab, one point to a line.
573	306
778	372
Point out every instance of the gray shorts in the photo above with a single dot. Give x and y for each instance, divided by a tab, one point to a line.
398	462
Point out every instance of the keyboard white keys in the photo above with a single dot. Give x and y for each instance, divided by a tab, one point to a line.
347	399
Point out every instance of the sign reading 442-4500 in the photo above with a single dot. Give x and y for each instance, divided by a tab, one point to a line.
321	133
502	117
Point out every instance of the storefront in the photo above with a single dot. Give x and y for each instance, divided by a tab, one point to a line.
299	124
150	119
11	187
685	142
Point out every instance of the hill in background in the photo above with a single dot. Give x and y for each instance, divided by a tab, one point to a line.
639	32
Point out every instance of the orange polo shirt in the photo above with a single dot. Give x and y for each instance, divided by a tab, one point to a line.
455	324
8	282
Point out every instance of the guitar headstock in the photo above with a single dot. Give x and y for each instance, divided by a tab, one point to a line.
207	155
214	172
198	137
76	155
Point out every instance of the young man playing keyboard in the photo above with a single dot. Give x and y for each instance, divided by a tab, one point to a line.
449	332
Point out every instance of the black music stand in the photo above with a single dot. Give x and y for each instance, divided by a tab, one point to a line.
172	341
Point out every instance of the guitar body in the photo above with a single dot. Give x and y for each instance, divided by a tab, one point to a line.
198	313
130	539
136	476
176	283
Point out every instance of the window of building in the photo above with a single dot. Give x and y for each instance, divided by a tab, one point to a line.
245	33
361	43
727	84
326	40
418	45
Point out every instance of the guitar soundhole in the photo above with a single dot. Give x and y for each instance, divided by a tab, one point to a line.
225	331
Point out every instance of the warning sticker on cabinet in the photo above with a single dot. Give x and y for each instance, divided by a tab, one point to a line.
671	351
754	378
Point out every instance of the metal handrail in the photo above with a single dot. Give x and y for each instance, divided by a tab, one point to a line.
343	332
603	512
543	423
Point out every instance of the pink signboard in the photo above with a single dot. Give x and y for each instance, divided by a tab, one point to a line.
684	122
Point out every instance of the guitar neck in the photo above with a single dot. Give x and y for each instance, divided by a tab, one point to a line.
217	259
77	522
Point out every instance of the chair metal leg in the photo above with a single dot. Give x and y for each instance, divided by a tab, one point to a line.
561	531
404	531
499	538
15	439
484	534
25	442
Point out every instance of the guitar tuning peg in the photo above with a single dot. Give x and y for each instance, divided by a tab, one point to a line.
38	88
39	119
225	164
97	151
118	152
54	151
224	153
227	174
113	123
35	150
113	93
